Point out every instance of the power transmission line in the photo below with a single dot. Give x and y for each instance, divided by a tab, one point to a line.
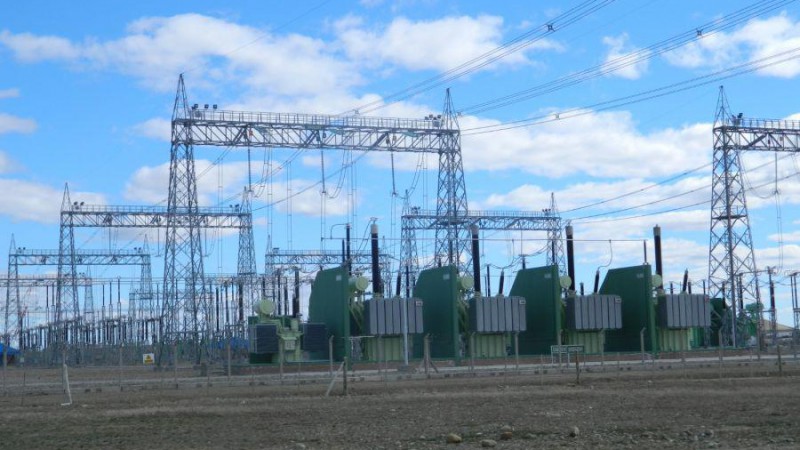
638	56
524	40
692	83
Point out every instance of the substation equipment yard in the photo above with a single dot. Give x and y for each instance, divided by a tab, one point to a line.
205	360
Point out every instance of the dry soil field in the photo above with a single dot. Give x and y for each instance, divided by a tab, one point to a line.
749	406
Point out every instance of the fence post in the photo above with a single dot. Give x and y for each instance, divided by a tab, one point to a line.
344	372
330	355
175	363
120	366
641	343
280	356
229	356
720	353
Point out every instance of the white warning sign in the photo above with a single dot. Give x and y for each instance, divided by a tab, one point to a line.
148	358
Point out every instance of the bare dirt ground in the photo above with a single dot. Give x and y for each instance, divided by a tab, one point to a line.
742	405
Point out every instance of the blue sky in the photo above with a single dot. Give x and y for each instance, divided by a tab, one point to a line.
86	92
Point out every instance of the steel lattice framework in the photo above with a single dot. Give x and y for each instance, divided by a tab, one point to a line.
21	256
415	219
313	260
297	258
183	314
731	263
246	270
434	134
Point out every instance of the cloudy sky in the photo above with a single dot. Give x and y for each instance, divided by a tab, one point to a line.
86	93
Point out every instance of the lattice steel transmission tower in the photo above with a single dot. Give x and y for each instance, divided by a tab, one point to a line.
185	305
555	242
452	238
731	263
67	307
246	271
147	307
13	313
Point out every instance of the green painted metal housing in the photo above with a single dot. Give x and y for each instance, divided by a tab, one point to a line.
487	345
330	304
593	342
543	310
635	286
441	312
386	348
290	339
677	340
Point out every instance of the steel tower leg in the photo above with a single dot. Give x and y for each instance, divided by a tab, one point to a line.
185	306
731	242
13	306
67	304
555	243
452	240
246	270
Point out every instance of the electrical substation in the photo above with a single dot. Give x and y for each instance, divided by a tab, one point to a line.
441	307
418	294
400	224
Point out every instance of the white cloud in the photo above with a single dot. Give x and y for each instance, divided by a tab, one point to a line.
9	93
32	48
686	191
601	144
29	201
13	124
793	236
149	184
757	39
157	48
785	257
429	45
6	163
156	128
623	60
306	199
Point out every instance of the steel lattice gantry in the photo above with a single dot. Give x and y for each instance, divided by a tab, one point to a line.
316	258
21	256
435	134
415	219
186	311
731	263
312	260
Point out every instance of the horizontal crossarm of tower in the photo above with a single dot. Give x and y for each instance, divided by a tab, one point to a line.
29	281
744	133
256	129
152	216
51	280
485	220
327	258
49	257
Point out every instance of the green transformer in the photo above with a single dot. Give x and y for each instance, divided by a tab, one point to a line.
634	285
540	287
443	312
333	302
